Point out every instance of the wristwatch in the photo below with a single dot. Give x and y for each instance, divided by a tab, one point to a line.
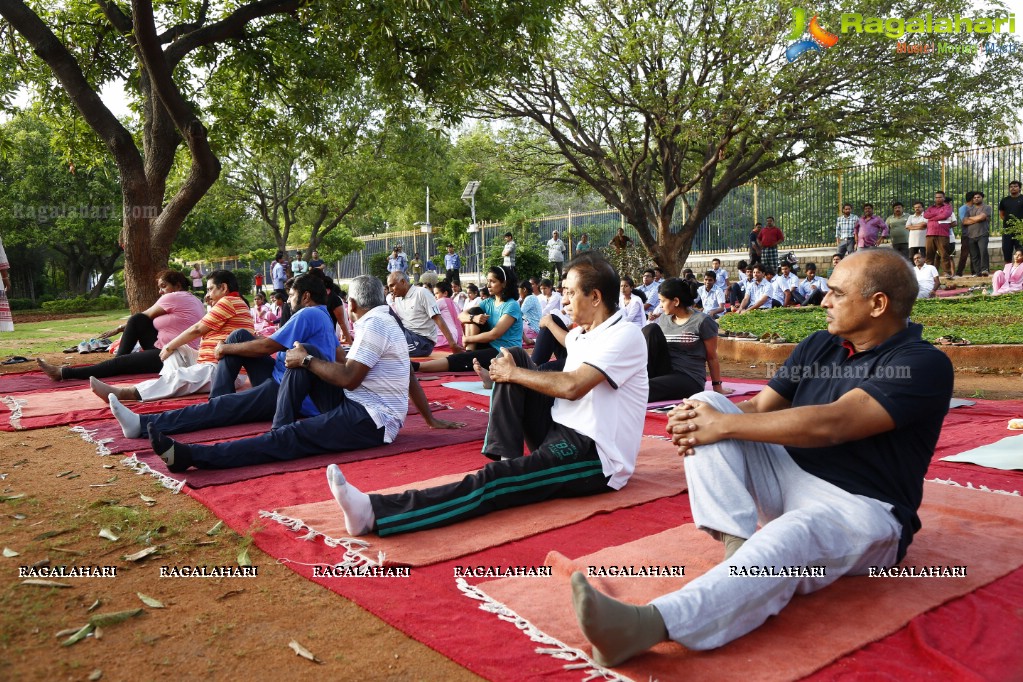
306	360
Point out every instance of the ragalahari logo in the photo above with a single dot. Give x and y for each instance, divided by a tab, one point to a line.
819	38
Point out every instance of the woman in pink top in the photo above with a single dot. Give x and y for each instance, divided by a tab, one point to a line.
1010	279
449	312
175	311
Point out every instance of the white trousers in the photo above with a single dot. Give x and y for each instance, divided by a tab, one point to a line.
805	522
182	375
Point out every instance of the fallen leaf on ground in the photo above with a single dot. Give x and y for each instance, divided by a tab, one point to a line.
303	652
39	582
114	617
141	554
95	675
8	552
80	635
95	605
149	601
108	534
216	528
243	558
231	593
147	499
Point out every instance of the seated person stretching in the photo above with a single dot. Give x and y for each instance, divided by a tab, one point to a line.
582	426
807	455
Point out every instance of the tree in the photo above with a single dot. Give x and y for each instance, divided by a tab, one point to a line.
653	103
74	213
167	52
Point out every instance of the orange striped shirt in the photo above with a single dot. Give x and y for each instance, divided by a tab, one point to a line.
229	313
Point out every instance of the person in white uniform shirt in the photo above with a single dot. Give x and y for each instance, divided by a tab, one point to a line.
926	276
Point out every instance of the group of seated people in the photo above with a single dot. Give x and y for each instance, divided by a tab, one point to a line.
774	478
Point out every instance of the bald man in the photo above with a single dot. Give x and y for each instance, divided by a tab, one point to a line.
844	430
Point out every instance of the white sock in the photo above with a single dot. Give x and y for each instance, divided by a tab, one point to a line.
354	503
131	425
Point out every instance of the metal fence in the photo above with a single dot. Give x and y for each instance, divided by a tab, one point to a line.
805	206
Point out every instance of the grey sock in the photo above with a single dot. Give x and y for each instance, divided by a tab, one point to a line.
131	425
618	631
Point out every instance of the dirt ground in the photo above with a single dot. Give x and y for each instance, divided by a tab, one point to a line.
55	496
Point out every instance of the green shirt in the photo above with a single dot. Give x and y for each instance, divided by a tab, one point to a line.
897	231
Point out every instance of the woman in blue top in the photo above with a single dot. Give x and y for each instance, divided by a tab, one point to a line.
495	324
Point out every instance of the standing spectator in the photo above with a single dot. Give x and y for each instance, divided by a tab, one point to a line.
198	283
964	252
299	266
584	244
453	266
279	275
1009	280
315	262
926	277
416	266
258	278
1010	207
754	244
845	231
916	225
556	255
719	272
870	229
508	254
6	319
976	231
621	240
769	239
897	230
939	224
397	261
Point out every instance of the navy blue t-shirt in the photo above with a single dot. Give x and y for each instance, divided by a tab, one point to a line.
911	379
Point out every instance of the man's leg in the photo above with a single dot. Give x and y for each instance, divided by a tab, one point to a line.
966	251
517	416
805	524
547	345
254	405
931	249
418	346
347	427
815	298
230	366
945	249
182	381
299	383
903	248
565	465
981	263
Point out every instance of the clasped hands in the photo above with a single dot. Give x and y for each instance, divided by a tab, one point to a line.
694	423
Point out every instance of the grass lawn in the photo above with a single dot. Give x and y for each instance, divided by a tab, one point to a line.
52	336
981	319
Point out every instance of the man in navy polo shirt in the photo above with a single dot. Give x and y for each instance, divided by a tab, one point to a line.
829	459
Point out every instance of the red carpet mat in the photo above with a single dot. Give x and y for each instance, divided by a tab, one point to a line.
43	409
37	381
415	435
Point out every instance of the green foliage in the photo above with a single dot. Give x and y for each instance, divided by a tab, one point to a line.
81	304
378	265
22	304
530	252
1014	227
981	319
246	277
631	261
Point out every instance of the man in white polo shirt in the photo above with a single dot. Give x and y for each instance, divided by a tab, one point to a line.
759	291
420	316
926	277
583	425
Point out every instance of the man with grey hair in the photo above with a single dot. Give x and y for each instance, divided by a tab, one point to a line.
420	316
362	397
844	431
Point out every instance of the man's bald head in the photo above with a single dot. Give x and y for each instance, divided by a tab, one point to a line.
887	272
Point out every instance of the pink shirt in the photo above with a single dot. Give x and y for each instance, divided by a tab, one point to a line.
937	217
182	310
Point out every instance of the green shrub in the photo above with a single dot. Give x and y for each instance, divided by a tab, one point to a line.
81	304
378	265
246	277
22	304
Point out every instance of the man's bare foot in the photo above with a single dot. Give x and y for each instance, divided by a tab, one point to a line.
51	371
105	390
483	374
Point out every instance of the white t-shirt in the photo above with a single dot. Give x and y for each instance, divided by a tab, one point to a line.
381	346
612	413
917	238
713	299
416	310
550	305
925	278
555	250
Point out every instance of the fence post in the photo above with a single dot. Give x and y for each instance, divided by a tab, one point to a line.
756	202
569	230
840	197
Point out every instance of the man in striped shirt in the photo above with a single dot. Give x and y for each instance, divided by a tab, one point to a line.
362	398
845	231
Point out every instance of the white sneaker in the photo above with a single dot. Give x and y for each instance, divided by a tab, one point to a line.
83	347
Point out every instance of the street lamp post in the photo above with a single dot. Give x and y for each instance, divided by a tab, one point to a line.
469	194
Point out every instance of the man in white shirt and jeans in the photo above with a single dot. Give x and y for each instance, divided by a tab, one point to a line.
582	425
556	255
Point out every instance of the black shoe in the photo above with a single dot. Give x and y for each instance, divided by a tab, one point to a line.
174	455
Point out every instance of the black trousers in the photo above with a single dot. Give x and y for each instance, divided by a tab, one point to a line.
561	463
1009	246
979	255
453	276
139	329
547	345
665	383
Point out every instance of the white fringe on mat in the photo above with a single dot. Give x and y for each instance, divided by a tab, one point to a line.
140	467
90	437
554	647
15	404
353	557
949	481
